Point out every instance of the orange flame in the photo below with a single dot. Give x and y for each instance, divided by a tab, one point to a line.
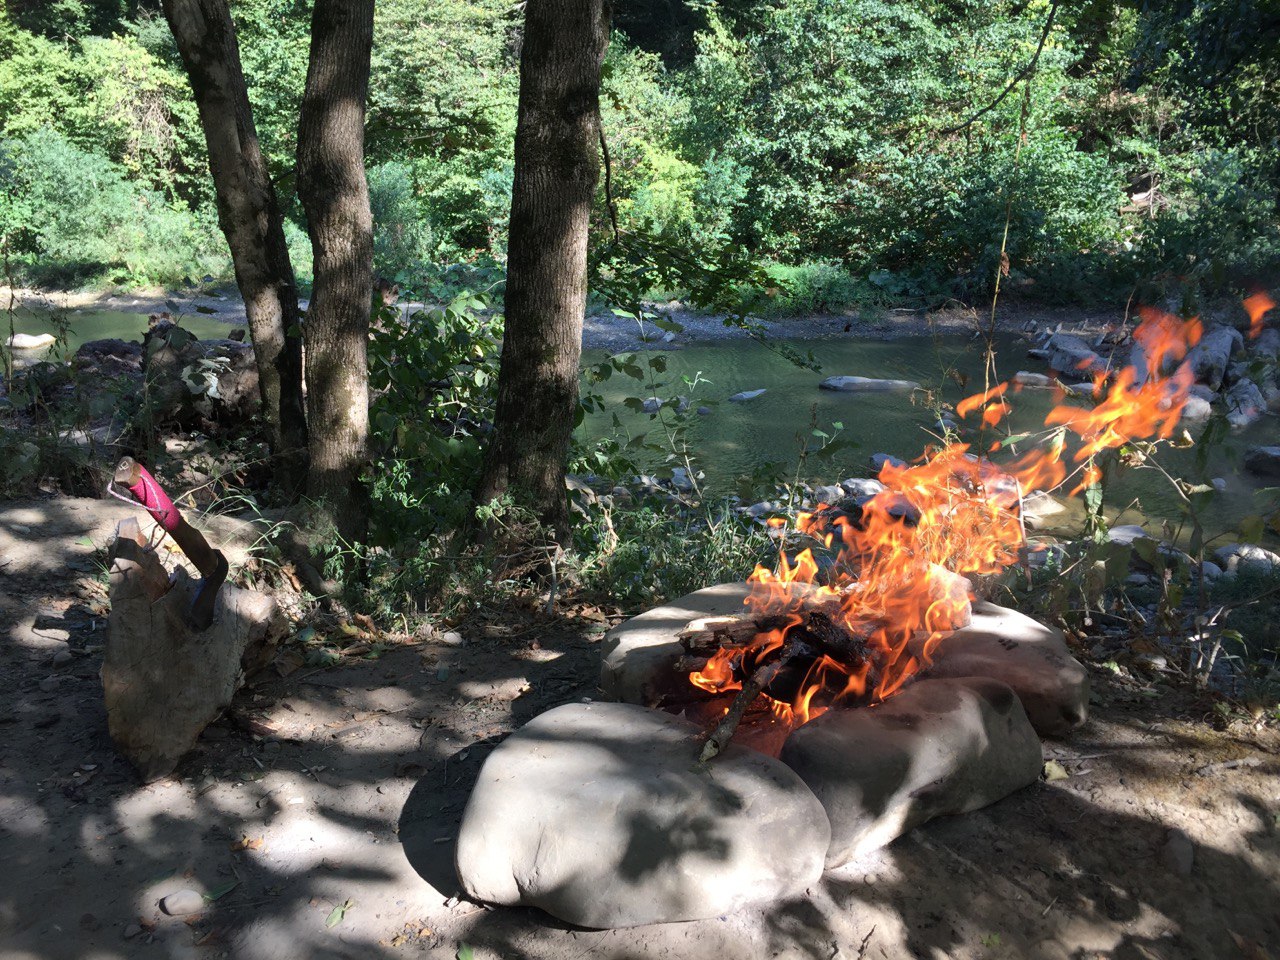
899	584
1258	306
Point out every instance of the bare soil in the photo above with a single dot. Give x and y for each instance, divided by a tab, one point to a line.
318	816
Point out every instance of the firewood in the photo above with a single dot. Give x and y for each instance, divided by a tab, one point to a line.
759	679
712	633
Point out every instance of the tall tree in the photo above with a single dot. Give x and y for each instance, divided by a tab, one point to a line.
335	195
250	217
556	169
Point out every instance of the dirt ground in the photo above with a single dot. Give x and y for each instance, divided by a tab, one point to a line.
318	817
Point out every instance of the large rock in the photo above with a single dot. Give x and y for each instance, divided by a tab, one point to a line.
1030	657
1247	556
1245	403
866	385
1267	346
937	747
163	683
601	815
639	655
1070	354
32	341
1264	461
1210	357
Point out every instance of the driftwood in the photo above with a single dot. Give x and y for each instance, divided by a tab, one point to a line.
162	680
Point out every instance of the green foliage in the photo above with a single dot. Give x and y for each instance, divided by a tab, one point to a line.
72	217
433	380
645	555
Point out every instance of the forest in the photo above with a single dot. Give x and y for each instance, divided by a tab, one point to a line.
642	479
836	144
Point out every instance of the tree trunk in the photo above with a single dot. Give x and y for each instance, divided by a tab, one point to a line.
335	195
556	168
250	217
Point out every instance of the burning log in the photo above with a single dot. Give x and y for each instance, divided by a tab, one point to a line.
753	687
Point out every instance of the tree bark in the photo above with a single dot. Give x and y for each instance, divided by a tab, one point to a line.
335	195
556	169
250	217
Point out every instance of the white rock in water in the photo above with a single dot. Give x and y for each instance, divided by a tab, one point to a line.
860	487
746	395
866	385
1025	378
937	747
601	815
1196	409
31	341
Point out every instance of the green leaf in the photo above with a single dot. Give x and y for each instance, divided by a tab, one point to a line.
217	893
1053	770
1016	438
337	914
1251	528
465	952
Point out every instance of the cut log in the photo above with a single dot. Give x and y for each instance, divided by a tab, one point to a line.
162	681
711	633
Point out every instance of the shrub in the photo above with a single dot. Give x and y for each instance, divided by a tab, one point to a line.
73	217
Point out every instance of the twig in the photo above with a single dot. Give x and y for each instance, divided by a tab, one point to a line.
1209	768
756	683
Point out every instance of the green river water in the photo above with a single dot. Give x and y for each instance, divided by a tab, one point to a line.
735	438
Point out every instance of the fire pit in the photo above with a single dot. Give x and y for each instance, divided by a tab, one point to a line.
768	731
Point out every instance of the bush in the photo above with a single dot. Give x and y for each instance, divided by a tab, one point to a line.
402	237
73	217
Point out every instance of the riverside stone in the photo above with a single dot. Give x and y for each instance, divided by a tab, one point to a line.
1264	461
1039	381
1246	556
601	815
1245	403
1196	409
866	385
1267	346
878	460
31	341
861	487
1070	354
1030	657
940	746
746	395
1210	357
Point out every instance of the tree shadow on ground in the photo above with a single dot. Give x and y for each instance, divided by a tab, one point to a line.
357	796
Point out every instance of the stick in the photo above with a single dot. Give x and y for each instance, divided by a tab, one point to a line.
724	730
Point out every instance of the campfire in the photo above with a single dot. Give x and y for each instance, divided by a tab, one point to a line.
819	711
906	558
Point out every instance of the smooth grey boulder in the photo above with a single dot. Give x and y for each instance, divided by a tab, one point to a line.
1210	357
1246	556
1196	409
746	395
1030	657
937	747
1038	381
1267	346
866	385
1070	354
1264	461
1245	403
878	460
639	655
601	815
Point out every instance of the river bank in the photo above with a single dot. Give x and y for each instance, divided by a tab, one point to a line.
603	330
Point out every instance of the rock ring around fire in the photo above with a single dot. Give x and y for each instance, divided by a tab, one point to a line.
639	656
601	815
